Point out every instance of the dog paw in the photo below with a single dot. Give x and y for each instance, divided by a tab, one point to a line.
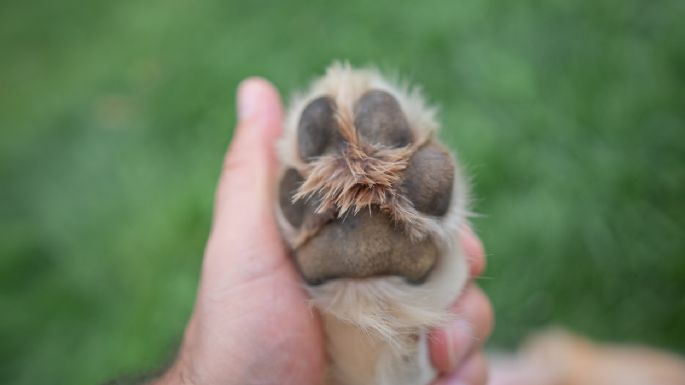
369	203
366	188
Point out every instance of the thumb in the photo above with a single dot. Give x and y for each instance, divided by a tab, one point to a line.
244	235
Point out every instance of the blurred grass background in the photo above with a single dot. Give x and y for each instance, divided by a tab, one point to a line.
115	116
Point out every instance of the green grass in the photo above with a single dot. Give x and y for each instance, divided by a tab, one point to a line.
115	115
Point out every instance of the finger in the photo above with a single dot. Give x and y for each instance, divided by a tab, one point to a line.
473	248
450	345
474	372
244	225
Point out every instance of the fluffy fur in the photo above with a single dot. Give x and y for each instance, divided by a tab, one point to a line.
376	327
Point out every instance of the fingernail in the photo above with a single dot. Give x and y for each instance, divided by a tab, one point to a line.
460	339
248	98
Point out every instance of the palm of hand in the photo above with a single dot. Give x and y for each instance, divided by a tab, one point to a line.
259	315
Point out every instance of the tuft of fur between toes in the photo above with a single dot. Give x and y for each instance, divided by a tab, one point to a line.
369	203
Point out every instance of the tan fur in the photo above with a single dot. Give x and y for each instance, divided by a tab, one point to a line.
376	327
355	180
557	357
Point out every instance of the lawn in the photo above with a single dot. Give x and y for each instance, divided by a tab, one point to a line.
114	116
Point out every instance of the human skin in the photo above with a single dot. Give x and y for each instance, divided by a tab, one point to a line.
252	323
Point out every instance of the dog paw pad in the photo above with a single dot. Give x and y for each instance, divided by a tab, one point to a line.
317	131
379	120
428	180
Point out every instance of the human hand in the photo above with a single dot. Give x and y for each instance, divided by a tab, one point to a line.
457	350
252	322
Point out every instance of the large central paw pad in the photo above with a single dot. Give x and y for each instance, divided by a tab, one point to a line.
367	186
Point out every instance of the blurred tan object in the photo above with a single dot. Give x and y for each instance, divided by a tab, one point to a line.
557	357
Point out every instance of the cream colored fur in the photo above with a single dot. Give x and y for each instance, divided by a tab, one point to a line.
376	327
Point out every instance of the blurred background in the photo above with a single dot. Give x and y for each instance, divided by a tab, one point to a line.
569	116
